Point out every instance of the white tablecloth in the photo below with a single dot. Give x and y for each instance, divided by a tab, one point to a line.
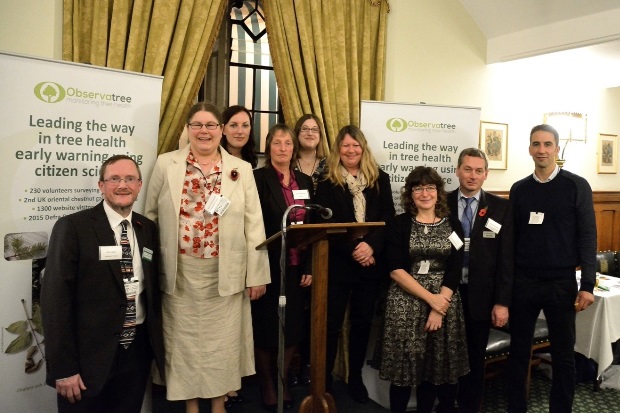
599	325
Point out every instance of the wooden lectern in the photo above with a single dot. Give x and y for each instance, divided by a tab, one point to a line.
318	236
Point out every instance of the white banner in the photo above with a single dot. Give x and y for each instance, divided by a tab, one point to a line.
60	121
402	136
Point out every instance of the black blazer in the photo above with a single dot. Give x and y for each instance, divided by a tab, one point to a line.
379	208
491	257
83	298
273	206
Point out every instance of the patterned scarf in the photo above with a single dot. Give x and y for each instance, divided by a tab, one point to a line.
356	187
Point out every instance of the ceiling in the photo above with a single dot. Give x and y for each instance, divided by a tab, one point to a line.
499	17
584	31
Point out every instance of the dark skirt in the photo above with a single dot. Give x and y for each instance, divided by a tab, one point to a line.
265	311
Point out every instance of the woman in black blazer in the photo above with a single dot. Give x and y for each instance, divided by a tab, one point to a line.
356	190
279	186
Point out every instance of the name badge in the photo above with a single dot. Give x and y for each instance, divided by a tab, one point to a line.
217	204
131	288
147	254
536	218
493	226
301	194
488	234
111	252
425	265
455	240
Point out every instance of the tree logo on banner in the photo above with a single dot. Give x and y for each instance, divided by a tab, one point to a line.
49	92
396	124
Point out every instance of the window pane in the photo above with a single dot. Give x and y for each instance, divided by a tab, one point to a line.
265	91
262	123
241	86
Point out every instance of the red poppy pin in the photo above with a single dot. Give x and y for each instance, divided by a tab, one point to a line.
483	211
234	174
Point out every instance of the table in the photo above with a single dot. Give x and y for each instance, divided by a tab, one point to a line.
599	325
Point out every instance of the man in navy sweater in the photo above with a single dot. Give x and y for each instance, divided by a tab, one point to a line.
554	232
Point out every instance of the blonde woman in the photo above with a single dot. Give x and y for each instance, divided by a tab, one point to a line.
356	190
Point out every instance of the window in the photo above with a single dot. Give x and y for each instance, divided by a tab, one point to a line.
240	70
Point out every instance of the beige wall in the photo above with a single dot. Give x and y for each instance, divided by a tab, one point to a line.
436	54
31	27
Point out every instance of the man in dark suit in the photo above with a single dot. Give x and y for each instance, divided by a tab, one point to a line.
101	302
487	256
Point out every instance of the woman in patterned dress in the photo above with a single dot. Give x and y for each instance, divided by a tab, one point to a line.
424	341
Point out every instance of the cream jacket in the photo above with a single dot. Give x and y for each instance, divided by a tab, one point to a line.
240	228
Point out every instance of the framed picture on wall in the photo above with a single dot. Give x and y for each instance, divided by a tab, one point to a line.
607	154
494	143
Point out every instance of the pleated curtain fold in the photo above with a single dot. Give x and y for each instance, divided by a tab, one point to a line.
170	38
328	56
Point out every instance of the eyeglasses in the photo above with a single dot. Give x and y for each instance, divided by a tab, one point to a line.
431	189
306	129
115	180
198	125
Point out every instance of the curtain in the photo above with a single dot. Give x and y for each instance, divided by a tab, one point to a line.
328	55
170	38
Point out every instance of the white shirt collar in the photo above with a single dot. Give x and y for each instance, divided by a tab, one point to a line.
555	173
114	218
476	196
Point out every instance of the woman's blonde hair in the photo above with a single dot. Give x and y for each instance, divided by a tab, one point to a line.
368	166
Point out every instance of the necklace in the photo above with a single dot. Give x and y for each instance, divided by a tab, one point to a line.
426	224
312	164
211	162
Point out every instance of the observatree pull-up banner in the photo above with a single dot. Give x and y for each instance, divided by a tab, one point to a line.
402	136
59	122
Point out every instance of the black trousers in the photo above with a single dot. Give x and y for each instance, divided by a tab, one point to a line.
362	294
471	385
556	298
126	384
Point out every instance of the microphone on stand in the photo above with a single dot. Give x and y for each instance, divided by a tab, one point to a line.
326	213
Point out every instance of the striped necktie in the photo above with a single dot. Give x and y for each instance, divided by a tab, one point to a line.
129	325
466	223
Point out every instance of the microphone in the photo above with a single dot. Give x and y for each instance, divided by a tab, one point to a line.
326	213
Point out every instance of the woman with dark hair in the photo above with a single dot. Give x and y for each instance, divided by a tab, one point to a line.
279	186
356	190
238	140
238	134
424	342
311	158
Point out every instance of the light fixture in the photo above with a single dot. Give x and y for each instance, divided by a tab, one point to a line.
571	126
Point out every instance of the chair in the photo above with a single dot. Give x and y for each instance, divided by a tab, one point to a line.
607	263
498	348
